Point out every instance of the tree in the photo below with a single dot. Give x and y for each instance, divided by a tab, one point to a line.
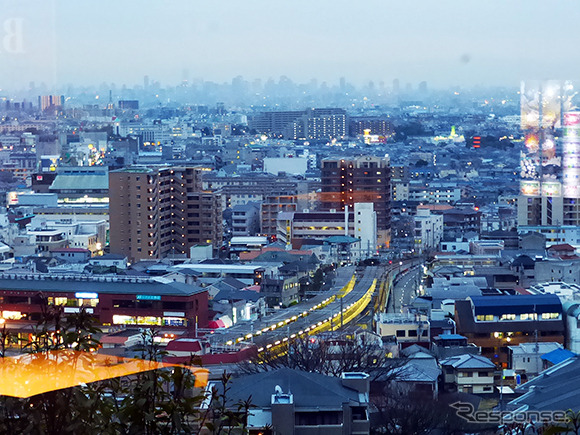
160	401
329	354
317	280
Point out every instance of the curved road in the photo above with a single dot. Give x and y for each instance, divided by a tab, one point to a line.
405	289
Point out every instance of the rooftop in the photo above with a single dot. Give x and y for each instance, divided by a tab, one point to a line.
95	284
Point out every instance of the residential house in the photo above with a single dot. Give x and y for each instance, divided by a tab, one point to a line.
527	357
289	401
468	374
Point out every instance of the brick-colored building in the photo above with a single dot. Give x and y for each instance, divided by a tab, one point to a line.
362	179
157	212
110	300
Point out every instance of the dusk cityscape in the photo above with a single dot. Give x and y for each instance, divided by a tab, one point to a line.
289	218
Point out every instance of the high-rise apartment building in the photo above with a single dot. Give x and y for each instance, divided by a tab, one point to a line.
156	212
362	179
322	123
550	163
274	122
329	123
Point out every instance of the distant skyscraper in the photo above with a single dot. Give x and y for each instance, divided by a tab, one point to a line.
363	179
50	102
396	86
129	104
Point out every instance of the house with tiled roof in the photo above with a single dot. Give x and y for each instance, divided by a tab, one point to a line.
288	401
468	374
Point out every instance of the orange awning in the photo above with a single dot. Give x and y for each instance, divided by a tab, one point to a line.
31	374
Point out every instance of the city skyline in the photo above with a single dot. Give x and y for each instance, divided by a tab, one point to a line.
446	44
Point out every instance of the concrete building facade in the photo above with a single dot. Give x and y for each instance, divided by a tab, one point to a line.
161	211
363	179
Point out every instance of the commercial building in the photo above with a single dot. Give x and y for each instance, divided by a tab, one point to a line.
112	300
550	166
496	322
161	211
74	184
359	223
363	179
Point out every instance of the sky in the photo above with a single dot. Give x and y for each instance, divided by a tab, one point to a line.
444	42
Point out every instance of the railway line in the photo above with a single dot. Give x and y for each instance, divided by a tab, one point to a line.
353	295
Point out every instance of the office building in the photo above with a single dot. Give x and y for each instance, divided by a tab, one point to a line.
363	179
158	212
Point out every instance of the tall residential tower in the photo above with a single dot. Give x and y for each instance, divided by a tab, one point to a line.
346	182
157	212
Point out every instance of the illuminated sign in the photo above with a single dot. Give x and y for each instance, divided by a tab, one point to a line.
532	143
572	119
148	298
530	188
551	189
12	198
86	295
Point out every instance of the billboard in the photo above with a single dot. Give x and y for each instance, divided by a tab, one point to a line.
542	103
530	188
551	189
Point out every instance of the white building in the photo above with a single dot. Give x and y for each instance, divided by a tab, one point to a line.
360	223
406	328
110	261
428	229
365	228
468	373
527	357
294	165
555	234
78	234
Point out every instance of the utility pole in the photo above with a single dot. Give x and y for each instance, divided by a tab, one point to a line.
341	313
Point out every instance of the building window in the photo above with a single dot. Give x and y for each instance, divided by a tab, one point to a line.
400	333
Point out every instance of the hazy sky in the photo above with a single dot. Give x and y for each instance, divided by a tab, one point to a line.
445	42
